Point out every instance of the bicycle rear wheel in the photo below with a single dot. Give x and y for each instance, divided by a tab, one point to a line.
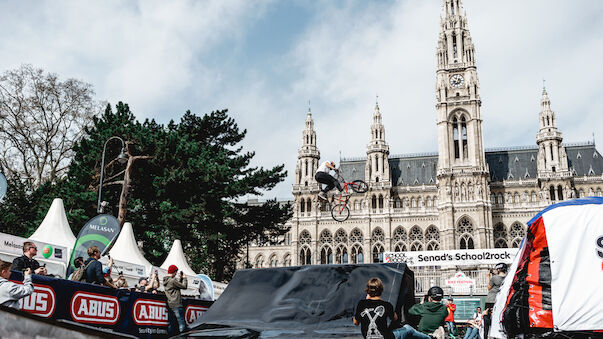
340	212
359	186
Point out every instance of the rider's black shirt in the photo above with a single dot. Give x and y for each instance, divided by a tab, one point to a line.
372	315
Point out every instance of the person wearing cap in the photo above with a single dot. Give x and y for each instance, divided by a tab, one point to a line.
432	314
144	286
172	286
496	281
323	176
451	307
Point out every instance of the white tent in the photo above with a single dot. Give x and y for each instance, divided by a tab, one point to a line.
176	257
125	248
55	229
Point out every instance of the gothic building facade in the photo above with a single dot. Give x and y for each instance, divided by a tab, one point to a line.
462	197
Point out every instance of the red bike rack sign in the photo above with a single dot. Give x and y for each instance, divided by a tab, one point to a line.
150	312
93	308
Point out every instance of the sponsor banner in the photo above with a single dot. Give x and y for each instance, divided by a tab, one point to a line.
485	256
99	231
124	311
54	256
460	283
192	313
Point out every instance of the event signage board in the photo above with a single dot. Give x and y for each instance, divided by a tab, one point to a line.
54	256
3	186
485	256
460	283
99	231
125	311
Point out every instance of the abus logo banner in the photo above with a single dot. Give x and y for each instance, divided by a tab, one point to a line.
150	312
194	312
41	302
88	307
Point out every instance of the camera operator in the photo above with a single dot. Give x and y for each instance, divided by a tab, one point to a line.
149	285
11	293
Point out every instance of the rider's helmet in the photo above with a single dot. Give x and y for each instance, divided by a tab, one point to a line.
436	293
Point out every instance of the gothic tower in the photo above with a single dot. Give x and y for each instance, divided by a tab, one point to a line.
305	187
465	211
554	176
377	172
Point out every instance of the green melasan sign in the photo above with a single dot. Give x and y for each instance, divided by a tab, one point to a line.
100	231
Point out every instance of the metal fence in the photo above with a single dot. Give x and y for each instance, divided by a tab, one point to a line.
434	276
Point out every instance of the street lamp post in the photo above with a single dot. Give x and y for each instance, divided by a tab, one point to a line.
121	158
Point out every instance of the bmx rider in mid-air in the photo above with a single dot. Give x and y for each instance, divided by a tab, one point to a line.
323	176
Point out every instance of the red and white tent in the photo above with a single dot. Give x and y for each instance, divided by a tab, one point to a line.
555	283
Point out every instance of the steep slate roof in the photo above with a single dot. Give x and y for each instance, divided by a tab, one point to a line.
509	163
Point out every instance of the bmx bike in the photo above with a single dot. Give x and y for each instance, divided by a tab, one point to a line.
340	210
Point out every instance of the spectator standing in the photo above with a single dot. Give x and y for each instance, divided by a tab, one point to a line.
77	263
474	325
432	314
372	313
121	281
27	260
451	307
145	286
172	286
496	281
11	293
94	269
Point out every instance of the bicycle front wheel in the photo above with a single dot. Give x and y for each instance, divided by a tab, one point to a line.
359	186
340	212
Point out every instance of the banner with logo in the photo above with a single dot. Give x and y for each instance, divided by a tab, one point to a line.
485	256
54	256
125	311
3	186
99	231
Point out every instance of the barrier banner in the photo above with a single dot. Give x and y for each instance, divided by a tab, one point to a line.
54	256
125	311
484	256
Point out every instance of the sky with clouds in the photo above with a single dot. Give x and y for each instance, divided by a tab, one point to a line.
263	60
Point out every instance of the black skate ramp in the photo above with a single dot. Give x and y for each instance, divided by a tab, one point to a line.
301	301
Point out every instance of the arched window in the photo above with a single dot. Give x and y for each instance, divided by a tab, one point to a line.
533	197
599	193
464	232
413	203
416	246
378	235
259	261
380	201
325	237
416	239
560	192
464	137
341	255
455	135
356	205
516	234
378	253
428	202
432	238
493	198
500	236
397	203
516	198
581	193
500	200
341	237
399	239
305	237
287	260
326	255
309	205
552	193
305	255
357	255
273	260
374	202
356	236
302	205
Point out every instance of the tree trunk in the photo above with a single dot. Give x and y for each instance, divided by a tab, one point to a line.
125	189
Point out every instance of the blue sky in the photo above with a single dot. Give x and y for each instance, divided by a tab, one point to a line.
263	60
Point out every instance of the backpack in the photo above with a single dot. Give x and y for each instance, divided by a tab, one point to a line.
80	274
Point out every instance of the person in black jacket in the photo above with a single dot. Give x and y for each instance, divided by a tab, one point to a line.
27	261
94	269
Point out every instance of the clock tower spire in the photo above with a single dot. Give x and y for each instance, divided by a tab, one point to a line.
462	170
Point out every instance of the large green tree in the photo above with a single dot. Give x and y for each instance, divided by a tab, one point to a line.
187	185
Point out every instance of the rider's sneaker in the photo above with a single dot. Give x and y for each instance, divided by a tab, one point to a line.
322	195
